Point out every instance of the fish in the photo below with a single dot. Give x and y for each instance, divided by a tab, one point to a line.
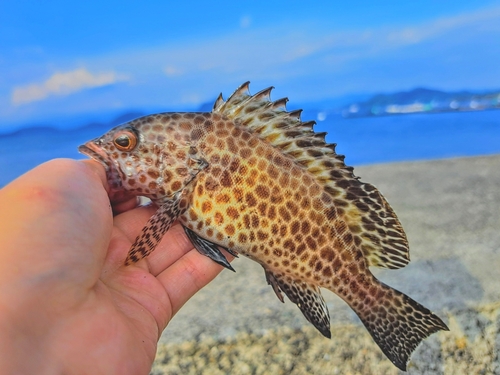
252	178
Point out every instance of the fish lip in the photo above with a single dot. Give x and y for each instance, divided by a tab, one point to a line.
113	174
91	150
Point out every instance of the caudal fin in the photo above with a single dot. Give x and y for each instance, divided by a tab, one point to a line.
397	323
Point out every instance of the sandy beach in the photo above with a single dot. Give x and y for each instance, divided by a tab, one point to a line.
450	210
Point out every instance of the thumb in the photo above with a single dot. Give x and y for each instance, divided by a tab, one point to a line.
56	218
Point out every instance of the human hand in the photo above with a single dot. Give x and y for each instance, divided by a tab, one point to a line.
67	303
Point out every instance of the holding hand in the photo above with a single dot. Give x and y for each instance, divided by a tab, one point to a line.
67	303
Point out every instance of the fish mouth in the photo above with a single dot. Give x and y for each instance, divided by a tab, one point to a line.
113	172
93	151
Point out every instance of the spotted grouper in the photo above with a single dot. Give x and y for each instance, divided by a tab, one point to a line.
252	178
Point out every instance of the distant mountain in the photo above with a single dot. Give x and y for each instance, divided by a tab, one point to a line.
422	100
419	100
328	104
97	126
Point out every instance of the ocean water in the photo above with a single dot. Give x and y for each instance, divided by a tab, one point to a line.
363	140
415	137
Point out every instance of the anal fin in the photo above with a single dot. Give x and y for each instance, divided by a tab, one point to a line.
209	249
306	296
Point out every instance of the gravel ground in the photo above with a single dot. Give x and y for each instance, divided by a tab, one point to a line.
451	212
471	347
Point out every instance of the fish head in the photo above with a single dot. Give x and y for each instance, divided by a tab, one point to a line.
147	157
121	153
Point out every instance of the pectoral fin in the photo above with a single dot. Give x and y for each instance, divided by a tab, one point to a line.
307	297
153	231
209	249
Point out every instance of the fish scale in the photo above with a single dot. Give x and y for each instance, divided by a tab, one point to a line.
254	179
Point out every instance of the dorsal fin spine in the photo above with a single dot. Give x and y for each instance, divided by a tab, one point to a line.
266	93
218	103
280	104
244	89
295	114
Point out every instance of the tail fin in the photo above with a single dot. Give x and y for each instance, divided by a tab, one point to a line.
397	323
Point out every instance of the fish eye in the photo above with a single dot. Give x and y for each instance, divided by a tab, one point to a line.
125	141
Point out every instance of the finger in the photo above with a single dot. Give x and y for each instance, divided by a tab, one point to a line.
131	222
56	217
120	202
187	276
98	169
126	205
173	245
127	226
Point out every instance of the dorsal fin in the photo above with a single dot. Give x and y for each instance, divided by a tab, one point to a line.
371	220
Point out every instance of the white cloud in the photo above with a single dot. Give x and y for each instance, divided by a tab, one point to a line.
269	52
287	56
440	26
63	84
305	61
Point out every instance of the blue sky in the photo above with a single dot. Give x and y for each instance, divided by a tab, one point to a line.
60	59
